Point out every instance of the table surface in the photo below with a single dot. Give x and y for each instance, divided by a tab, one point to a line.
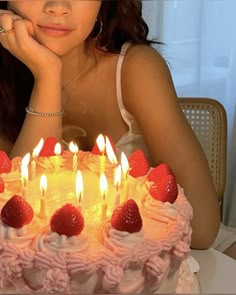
217	272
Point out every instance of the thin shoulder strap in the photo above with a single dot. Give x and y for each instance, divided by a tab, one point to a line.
118	78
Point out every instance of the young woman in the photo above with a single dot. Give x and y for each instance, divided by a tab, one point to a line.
79	68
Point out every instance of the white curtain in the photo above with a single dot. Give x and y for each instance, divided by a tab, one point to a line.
200	47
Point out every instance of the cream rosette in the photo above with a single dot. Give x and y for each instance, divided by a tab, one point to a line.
50	164
10	266
21	237
166	223
84	272
124	271
47	240
93	162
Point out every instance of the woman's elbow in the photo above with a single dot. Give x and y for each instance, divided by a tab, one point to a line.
203	238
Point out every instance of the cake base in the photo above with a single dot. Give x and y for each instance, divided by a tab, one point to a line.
187	283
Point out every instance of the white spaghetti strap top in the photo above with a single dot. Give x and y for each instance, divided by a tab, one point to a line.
132	139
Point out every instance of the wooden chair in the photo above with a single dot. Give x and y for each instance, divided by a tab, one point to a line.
207	117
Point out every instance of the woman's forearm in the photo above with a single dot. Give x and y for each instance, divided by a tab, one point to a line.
46	98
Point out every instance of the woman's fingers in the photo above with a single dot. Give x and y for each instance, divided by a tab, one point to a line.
7	35
6	20
23	31
16	33
17	36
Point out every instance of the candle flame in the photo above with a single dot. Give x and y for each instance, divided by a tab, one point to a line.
117	179
43	184
101	143
73	147
38	148
57	149
103	186
25	160
79	187
124	164
110	152
24	166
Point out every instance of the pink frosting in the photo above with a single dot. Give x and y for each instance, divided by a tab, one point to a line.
108	260
56	281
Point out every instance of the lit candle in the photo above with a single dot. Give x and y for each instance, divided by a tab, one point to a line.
103	190
57	152
101	145
43	189
74	149
110	152
79	189
25	173
125	172
117	182
35	154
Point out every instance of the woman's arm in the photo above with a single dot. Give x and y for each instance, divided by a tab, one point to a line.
46	69
149	95
45	98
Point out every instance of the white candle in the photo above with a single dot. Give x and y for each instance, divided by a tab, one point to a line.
57	152
43	189
79	189
125	172
117	182
25	173
35	154
103	190
74	149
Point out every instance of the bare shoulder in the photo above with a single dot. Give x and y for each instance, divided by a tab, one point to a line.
145	73
143	57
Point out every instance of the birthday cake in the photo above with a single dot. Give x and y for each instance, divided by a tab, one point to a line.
84	222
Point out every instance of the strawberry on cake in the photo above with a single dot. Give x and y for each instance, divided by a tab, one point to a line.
92	244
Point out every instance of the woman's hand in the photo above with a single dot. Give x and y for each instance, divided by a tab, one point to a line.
18	39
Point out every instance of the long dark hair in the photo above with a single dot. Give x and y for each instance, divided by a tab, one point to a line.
121	21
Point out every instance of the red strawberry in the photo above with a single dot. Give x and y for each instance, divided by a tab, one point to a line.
48	147
138	163
126	217
17	212
156	173
96	151
165	189
67	221
2	185
5	163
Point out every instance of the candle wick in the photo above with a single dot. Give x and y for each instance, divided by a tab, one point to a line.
24	181
104	196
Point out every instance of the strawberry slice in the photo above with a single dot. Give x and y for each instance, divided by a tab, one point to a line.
156	173
96	150
2	185
67	221
17	212
127	217
48	147
138	163
165	189
5	163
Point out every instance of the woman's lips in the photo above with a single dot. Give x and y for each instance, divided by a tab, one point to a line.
55	31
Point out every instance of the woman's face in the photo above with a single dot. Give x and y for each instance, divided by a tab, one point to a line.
60	25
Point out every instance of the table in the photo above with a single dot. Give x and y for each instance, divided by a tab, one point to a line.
217	271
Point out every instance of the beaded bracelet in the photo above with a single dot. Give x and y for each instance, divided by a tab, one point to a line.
31	111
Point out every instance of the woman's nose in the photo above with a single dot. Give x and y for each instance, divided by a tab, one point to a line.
57	7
